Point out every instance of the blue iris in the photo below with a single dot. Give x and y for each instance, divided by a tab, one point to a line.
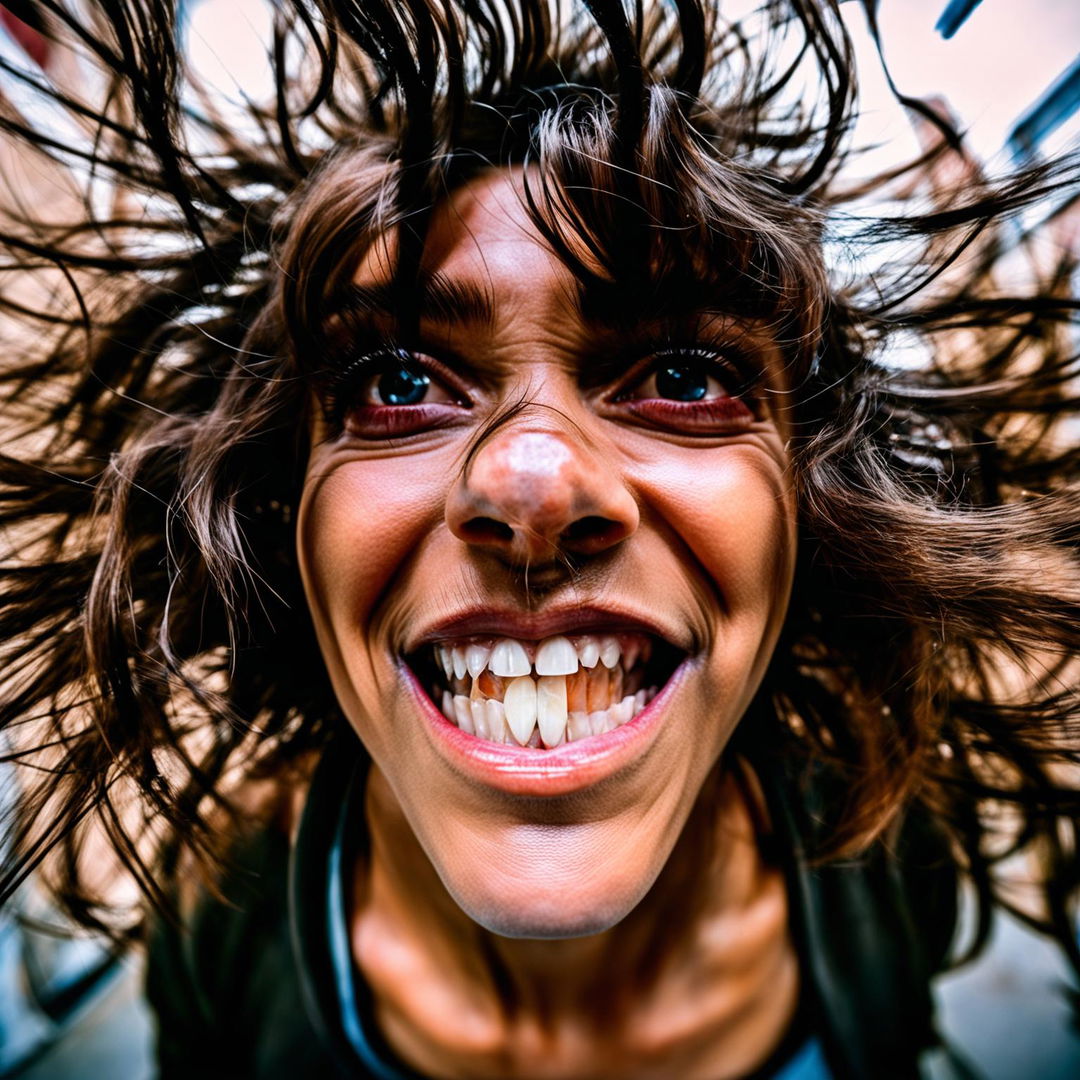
682	383
402	386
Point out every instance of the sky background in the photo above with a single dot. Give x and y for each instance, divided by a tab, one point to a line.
1002	59
999	62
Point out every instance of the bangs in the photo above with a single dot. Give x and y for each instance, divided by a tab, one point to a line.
671	158
682	233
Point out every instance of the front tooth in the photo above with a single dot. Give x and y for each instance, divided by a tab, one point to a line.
609	652
509	659
551	707
448	706
496	721
460	667
520	706
589	652
463	713
577	726
476	658
479	719
446	661
556	656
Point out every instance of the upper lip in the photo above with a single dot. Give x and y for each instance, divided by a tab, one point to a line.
533	626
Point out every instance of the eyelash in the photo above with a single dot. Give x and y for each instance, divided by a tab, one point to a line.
713	361
342	385
736	376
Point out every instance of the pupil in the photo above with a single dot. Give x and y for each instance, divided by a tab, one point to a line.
401	386
682	383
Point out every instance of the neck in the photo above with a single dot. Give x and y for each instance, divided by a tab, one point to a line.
455	999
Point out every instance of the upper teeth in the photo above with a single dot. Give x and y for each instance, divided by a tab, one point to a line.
509	658
547	692
476	659
556	656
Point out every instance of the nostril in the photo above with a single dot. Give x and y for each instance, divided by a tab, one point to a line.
485	530
592	533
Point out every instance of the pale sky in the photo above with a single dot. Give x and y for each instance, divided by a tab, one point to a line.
999	62
1003	58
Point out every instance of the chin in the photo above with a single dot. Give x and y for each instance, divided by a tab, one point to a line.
549	922
549	910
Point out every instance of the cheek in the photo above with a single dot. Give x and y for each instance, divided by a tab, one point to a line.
749	546
359	522
736	516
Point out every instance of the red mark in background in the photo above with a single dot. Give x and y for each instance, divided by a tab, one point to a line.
33	42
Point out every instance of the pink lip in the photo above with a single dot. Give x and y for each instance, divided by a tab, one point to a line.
578	619
562	771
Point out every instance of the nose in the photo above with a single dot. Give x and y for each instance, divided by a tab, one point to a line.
528	495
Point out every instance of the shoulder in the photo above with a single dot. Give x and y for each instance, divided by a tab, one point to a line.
222	979
871	929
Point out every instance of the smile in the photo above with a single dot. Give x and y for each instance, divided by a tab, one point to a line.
546	693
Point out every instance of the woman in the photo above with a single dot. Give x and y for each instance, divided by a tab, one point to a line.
467	492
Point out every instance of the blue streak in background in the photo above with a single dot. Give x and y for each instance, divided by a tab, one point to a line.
954	16
1051	110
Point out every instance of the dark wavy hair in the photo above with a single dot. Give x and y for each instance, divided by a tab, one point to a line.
158	655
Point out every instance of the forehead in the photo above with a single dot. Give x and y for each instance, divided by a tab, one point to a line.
482	239
486	264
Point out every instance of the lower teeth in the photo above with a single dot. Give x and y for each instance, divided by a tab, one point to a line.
486	719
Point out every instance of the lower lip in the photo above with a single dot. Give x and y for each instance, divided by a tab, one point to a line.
562	771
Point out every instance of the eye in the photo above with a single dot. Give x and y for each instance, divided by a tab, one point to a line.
391	392
686	381
693	389
402	383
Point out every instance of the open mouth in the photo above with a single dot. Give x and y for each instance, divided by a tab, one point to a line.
542	694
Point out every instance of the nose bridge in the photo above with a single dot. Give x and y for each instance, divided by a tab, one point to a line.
536	484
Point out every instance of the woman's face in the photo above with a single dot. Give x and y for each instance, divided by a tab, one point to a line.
534	525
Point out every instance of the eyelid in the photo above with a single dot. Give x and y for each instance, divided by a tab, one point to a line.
373	361
344	384
728	364
356	338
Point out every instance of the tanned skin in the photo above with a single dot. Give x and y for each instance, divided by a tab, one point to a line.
614	916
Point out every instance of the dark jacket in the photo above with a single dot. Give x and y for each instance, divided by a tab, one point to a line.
262	986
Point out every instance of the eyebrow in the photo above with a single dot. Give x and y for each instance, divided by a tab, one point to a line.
435	298
432	298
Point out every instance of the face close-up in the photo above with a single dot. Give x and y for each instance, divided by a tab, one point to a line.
541	541
548	559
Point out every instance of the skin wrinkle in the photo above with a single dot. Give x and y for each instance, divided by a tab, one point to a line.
702	536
